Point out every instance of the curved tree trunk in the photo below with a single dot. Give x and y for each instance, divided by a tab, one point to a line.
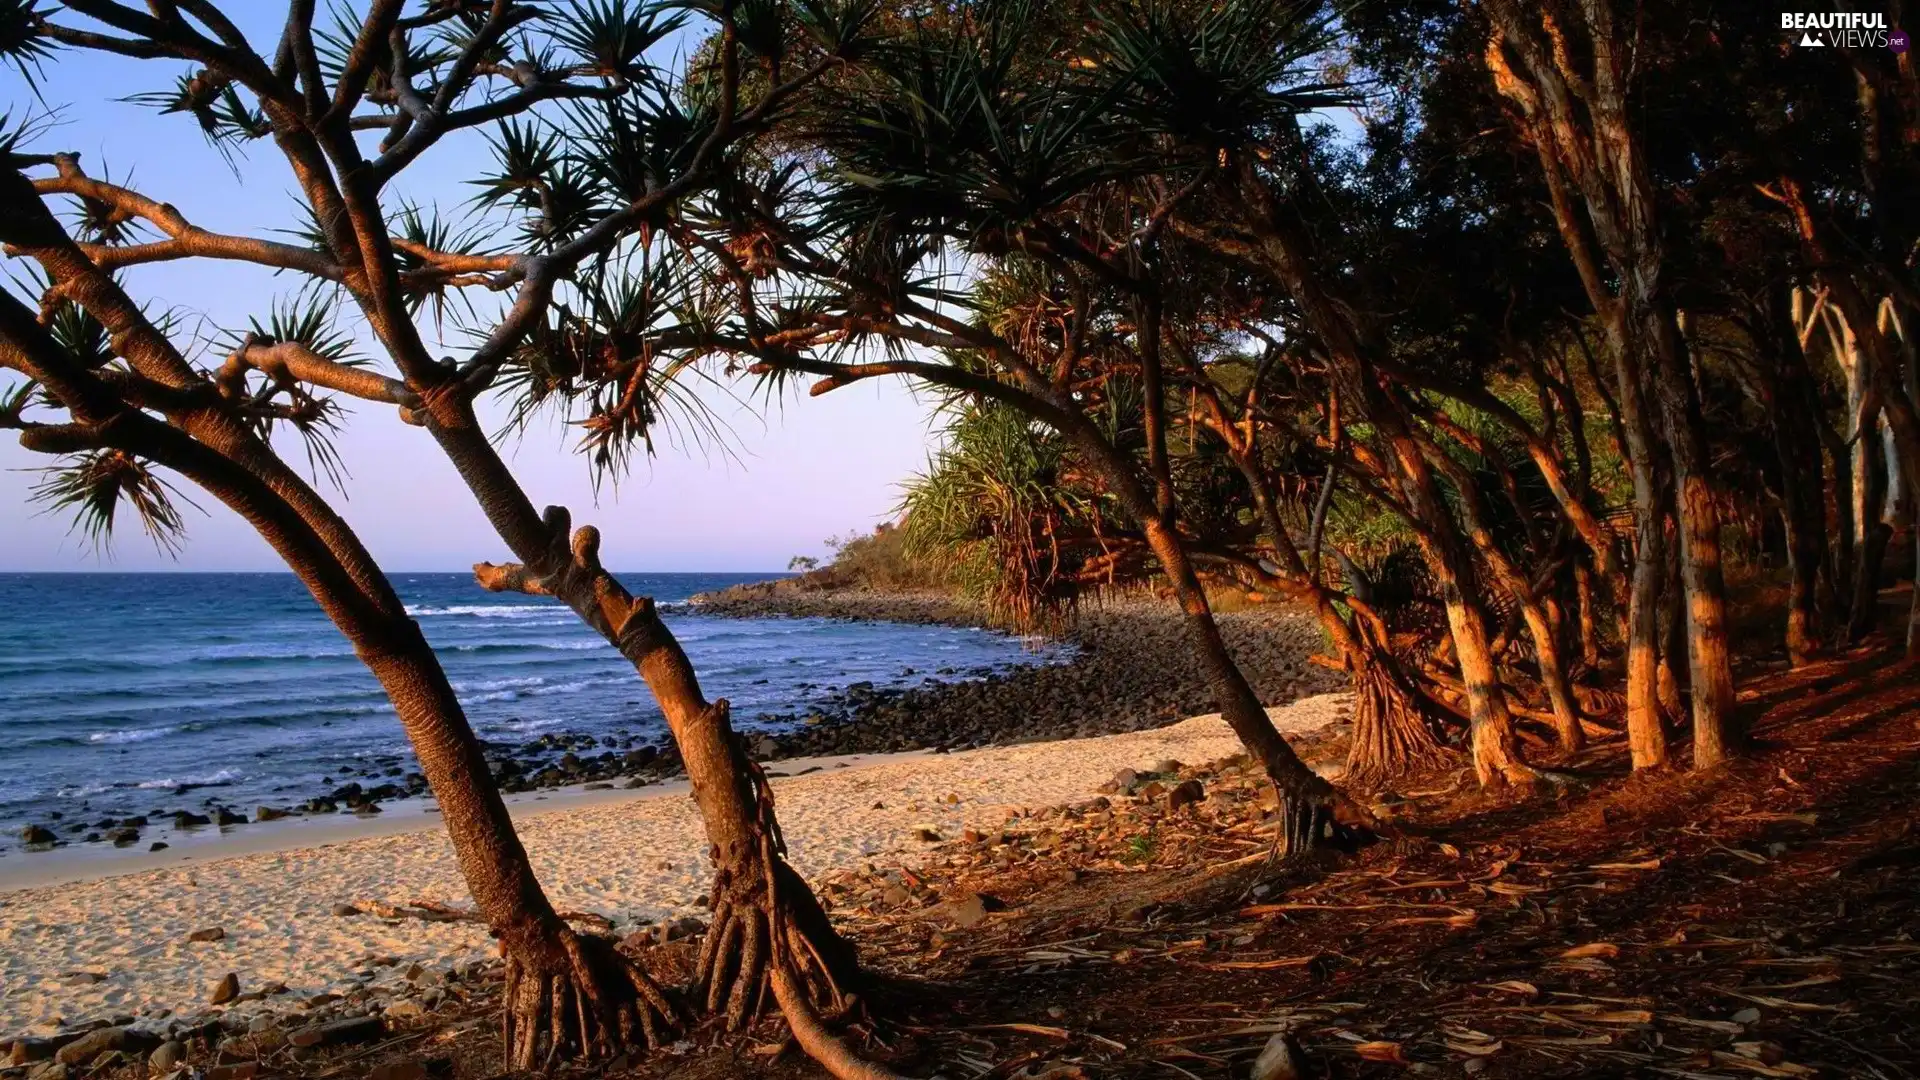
1306	800
561	986
570	987
764	914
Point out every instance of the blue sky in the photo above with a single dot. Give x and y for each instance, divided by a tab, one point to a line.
799	470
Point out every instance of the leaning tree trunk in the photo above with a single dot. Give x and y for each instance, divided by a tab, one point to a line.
1496	758
561	988
1306	802
765	918
563	985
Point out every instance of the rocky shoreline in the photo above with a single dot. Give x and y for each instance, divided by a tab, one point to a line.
1124	665
1131	668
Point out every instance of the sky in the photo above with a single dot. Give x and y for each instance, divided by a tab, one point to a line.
794	472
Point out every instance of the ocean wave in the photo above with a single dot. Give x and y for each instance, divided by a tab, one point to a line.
224	776
131	735
487	611
521	646
464	686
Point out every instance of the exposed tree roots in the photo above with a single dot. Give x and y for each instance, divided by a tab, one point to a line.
771	943
575	995
1392	734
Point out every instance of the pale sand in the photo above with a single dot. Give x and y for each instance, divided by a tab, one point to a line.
626	855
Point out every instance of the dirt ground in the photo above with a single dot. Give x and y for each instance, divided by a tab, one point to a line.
1757	921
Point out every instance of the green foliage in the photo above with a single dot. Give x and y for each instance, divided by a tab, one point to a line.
994	511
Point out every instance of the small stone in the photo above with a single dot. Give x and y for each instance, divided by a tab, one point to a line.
340	1032
263	1022
896	896
167	1055
225	990
211	933
1125	781
343	911
416	971
1748	1015
926	834
34	834
85	978
1280	1059
157	845
405	1008
970	910
1187	793
268	813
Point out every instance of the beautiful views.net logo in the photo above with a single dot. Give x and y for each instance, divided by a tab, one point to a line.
1846	29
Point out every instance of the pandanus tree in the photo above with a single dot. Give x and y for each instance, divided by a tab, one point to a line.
968	145
551	292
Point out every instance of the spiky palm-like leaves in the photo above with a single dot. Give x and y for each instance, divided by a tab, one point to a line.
21	42
308	319
93	486
961	134
998	512
212	100
1214	77
610	38
596	364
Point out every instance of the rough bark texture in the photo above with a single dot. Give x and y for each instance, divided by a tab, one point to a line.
217	453
764	915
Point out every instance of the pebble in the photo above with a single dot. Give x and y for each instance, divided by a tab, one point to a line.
211	933
1280	1059
225	990
167	1055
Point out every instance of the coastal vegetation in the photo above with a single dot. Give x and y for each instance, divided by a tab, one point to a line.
1554	359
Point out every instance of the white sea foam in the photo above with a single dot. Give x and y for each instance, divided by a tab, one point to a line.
131	735
224	776
488	611
479	686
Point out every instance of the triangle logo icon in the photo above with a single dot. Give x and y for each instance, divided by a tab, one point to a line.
1809	41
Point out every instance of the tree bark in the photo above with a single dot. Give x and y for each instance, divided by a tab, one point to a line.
1392	733
567	986
764	914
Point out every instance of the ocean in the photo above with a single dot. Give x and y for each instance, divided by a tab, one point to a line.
121	692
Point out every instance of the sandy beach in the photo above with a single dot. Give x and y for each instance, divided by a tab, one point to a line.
76	945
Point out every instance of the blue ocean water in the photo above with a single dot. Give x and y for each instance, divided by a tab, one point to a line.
118	690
